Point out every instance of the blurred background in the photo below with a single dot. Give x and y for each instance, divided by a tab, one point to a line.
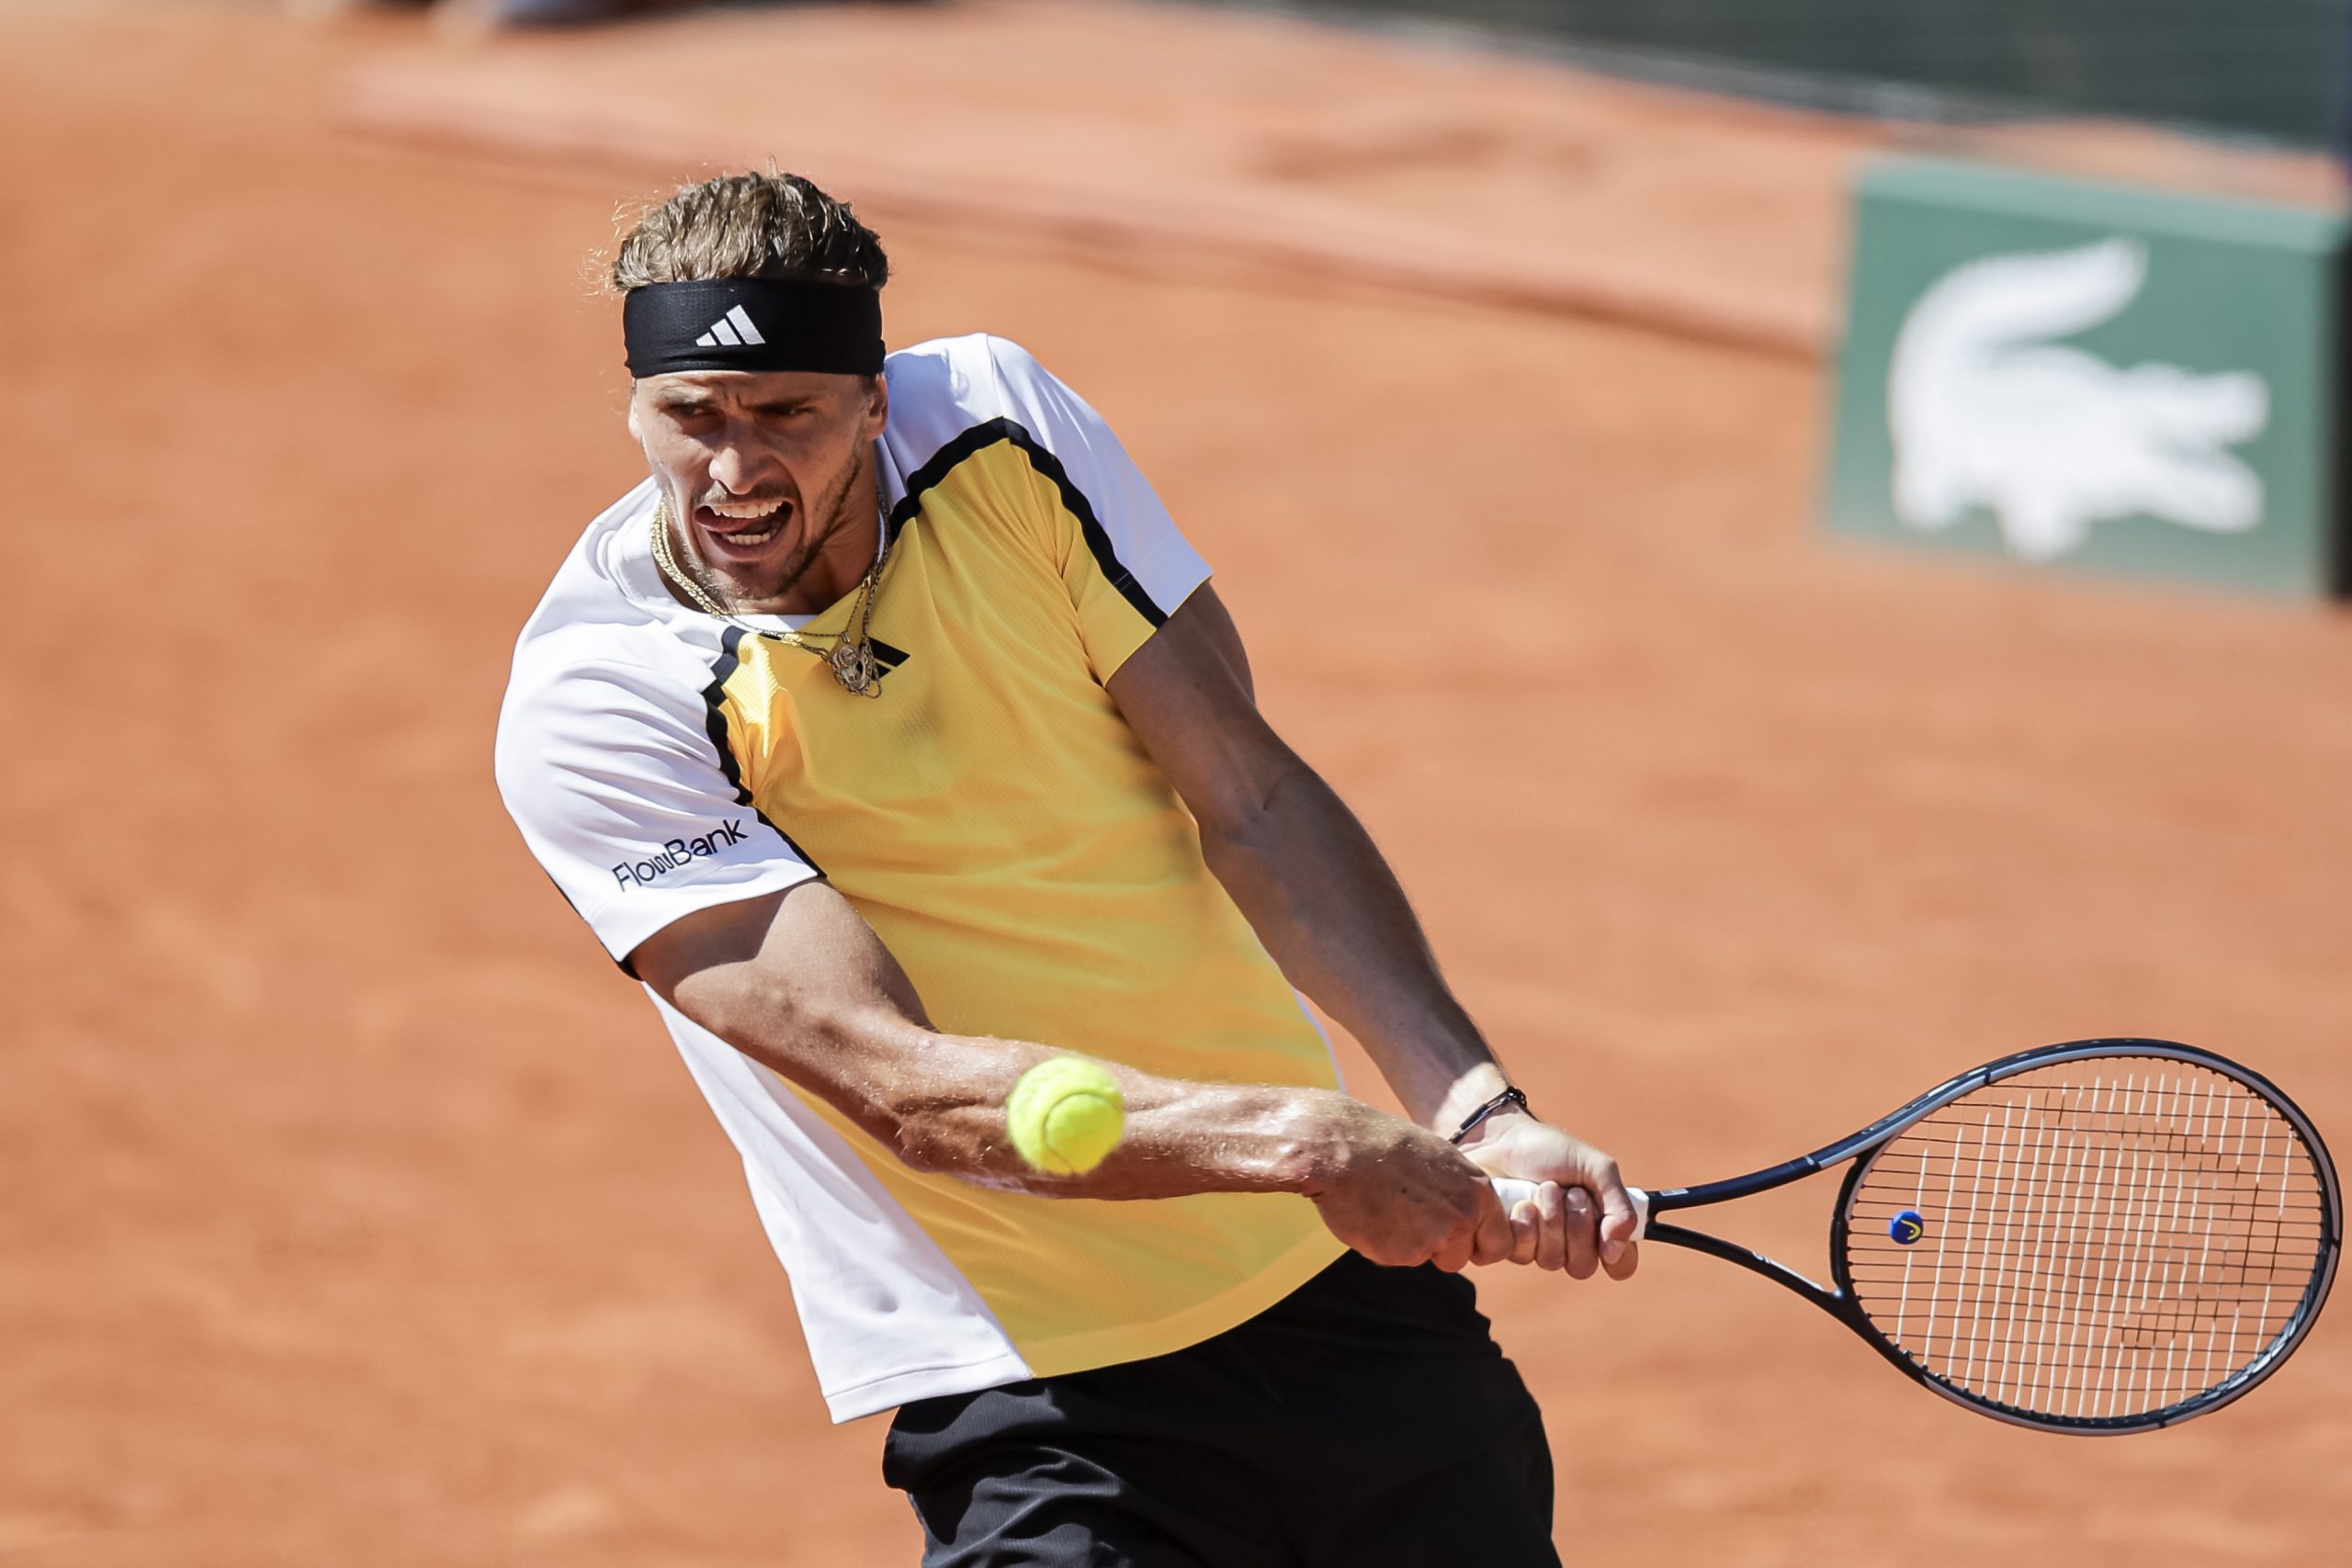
1810	530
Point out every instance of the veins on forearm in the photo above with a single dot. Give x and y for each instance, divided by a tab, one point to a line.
1320	896
937	1102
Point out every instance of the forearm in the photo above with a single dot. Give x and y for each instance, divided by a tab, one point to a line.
797	981
937	1101
1323	901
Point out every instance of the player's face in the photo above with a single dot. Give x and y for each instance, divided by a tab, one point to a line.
768	471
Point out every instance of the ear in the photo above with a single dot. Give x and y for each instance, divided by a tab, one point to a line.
877	407
633	433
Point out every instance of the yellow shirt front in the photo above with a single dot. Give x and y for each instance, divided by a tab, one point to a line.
997	823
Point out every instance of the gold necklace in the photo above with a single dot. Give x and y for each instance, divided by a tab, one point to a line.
851	656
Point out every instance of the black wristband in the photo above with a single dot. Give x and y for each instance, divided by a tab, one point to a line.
1469	1124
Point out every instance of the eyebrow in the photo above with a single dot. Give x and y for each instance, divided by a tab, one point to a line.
696	403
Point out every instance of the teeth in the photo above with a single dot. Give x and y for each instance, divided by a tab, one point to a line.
751	512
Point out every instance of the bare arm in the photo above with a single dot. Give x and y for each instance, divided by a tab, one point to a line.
1325	903
800	983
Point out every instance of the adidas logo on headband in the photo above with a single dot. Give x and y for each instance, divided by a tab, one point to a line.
804	324
734	328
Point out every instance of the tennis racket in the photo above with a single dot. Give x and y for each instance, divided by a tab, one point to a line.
2111	1236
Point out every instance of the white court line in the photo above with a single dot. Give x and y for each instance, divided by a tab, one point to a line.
1975	1194
1918	1206
1984	1275
2076	1345
2020	1289
2237	1164
2107	1258
1943	1238
2270	1280
2205	1254
2175	1253
2195	1294
2144	1204
2120	1249
2050	1260
2128	1271
2059	1251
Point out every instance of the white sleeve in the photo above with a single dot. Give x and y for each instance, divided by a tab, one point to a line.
623	797
1102	486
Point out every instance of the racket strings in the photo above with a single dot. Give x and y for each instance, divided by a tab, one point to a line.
2090	1247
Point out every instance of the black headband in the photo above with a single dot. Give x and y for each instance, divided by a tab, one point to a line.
752	323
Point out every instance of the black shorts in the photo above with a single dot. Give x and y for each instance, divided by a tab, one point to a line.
1366	1421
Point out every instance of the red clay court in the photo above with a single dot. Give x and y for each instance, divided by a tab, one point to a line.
358	1211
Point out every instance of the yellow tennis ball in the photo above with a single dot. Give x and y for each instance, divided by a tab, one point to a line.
1066	1114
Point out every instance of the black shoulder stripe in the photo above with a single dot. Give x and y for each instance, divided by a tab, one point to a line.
714	696
981	436
1097	541
943	463
714	716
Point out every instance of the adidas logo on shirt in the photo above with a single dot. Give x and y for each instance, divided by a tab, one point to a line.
734	329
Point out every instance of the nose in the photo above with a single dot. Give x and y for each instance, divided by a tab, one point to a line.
741	468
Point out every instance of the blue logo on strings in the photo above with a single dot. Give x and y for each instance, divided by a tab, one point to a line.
1907	1226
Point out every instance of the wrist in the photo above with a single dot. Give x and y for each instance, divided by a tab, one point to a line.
1495	1129
1315	1141
1473	1096
1479	1126
1259	1137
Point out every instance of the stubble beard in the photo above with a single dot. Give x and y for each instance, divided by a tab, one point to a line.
834	509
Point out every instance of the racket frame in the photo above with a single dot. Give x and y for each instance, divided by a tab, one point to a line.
1861	1147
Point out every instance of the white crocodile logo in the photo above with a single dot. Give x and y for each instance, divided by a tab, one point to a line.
2049	438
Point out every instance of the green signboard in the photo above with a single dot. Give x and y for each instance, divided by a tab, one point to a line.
2095	376
2271	68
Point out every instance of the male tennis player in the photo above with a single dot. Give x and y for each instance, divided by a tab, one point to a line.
891	735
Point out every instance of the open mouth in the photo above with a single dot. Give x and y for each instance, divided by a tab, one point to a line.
742	527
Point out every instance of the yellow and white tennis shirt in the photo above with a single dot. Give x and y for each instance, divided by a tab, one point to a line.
997	822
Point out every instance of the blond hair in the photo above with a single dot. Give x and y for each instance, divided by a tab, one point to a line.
752	225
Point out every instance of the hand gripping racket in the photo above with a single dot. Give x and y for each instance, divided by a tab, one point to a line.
2111	1236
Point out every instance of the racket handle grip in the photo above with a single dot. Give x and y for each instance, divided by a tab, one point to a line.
1513	1192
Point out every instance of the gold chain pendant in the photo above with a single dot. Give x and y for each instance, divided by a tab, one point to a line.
850	658
855	666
